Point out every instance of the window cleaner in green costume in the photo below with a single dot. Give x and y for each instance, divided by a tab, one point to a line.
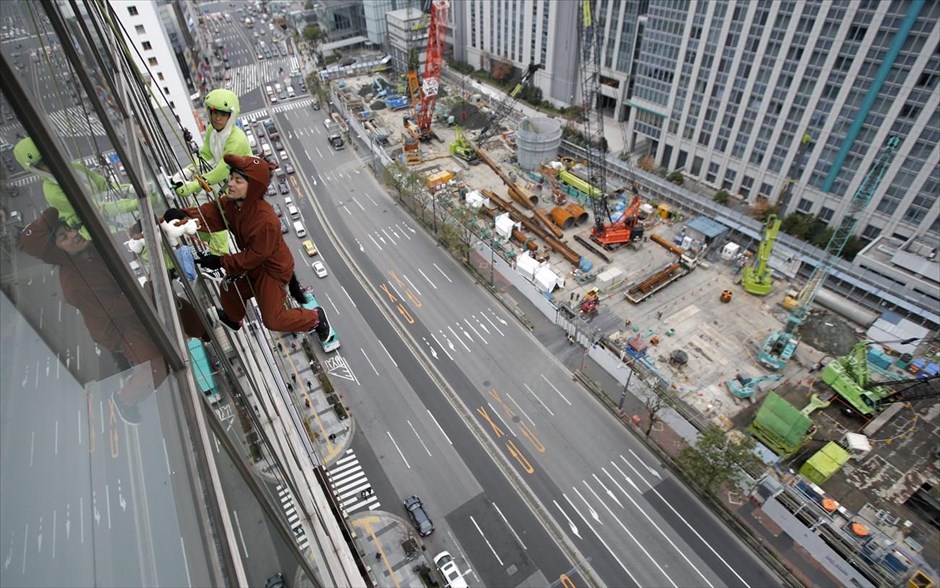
27	155
222	137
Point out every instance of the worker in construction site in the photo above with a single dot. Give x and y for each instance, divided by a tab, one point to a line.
264	265
111	198
223	137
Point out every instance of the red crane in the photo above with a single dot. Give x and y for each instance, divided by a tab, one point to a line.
423	102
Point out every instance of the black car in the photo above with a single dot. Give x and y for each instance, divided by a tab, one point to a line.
283	187
275	581
419	517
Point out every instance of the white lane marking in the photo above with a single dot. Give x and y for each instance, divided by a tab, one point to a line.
469	324
480	531
240	535
388	354
691	528
441	346
374	203
539	399
500	417
376	243
520	409
661	532
443	274
388	236
413	287
107	499
369	360
555	389
516	535
359	205
651	470
189	581
635	540
482	326
594	514
349	297
101	415
456	336
404	234
427	278
399	450
571	525
56	451
320	153
25	544
609	550
333	304
346	208
166	456
608	491
440	427
32	448
415	431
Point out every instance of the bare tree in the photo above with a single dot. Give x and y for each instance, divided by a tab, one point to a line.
654	404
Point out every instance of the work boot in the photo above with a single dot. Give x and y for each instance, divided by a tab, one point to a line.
227	321
322	326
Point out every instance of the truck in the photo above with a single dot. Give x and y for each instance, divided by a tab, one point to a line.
335	135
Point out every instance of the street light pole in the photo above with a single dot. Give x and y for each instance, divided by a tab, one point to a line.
626	386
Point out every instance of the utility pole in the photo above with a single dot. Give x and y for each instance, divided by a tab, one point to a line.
626	386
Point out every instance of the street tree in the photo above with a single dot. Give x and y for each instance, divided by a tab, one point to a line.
716	460
655	404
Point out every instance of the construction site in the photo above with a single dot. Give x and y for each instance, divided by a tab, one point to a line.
852	418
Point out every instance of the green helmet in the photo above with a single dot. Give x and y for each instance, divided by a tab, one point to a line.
26	153
222	99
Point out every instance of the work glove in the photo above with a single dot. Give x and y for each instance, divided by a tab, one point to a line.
210	262
174	214
182	176
188	189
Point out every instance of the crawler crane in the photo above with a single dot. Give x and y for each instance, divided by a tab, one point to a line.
780	346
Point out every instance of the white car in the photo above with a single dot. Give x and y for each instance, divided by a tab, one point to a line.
283	155
448	569
320	269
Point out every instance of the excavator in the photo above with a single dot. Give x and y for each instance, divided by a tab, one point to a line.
757	280
742	386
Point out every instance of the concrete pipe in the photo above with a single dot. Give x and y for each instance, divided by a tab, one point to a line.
580	215
562	218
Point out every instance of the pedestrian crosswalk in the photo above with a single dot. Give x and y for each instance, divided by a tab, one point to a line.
246	78
24	181
74	122
250	117
293	519
350	485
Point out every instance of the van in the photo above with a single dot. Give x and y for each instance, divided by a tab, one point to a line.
299	229
290	92
292	211
278	88
266	150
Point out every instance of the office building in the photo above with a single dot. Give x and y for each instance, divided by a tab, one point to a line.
727	92
154	53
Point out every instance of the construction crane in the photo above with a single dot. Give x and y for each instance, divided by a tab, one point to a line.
758	279
605	233
463	148
424	98
781	345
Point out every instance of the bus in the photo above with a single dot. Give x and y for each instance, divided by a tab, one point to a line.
331	343
202	371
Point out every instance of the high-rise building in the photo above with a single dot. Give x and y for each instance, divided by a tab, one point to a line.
375	13
154	53
744	94
490	34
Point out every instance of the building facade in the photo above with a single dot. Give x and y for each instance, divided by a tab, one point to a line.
493	32
154	54
375	13
744	94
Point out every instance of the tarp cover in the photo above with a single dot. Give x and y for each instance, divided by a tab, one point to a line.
547	280
527	266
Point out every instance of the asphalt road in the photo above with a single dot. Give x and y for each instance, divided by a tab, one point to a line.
595	481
